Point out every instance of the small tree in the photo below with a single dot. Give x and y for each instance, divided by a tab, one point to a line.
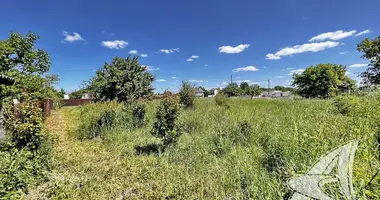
231	90
279	87
371	50
254	90
187	94
125	80
323	80
165	125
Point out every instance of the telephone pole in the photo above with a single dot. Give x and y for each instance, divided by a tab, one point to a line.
231	78
268	84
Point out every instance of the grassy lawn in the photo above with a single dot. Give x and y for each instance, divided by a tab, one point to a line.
215	158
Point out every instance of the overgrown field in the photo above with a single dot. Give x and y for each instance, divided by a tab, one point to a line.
248	151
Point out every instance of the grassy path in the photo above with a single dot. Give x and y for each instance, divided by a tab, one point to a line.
84	170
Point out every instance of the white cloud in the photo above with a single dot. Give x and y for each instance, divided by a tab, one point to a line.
363	32
161	80
151	68
337	35
289	68
133	52
72	38
343	53
358	65
297	49
296	71
271	56
190	60
247	68
173	77
144	55
224	83
230	49
116	44
194	57
168	51
197	81
278	77
347	73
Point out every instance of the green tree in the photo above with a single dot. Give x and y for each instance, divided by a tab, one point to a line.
124	80
244	87
187	94
371	50
279	87
323	80
254	90
29	66
77	94
231	90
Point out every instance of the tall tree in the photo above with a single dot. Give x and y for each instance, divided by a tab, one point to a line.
125	80
244	87
371	50
279	87
27	65
323	80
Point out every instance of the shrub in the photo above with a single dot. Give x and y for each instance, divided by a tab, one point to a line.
26	153
221	100
138	114
165	125
245	130
187	95
97	118
345	104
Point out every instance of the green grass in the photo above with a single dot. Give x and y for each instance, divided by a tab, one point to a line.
213	159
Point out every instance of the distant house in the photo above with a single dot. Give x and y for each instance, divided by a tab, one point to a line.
199	92
66	96
214	92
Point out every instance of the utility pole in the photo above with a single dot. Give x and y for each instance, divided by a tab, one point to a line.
231	78
268	84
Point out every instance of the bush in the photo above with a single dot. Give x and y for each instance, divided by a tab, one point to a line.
26	153
221	100
187	95
138	114
345	104
97	118
165	125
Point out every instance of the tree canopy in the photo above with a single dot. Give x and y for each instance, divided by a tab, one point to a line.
232	89
254	90
28	65
323	80
125	80
371	51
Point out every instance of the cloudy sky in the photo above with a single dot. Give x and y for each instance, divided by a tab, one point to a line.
204	42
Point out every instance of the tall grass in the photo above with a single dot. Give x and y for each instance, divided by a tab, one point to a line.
246	152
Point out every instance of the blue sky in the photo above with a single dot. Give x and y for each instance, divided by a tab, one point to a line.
204	41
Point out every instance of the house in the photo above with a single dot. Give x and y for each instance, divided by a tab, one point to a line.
88	96
276	94
199	92
214	92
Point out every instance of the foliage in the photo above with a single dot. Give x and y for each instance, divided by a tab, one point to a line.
124	80
165	126
345	104
138	114
244	87
187	94
206	92
29	66
279	87
98	118
231	90
254	90
323	80
371	51
77	94
221	100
